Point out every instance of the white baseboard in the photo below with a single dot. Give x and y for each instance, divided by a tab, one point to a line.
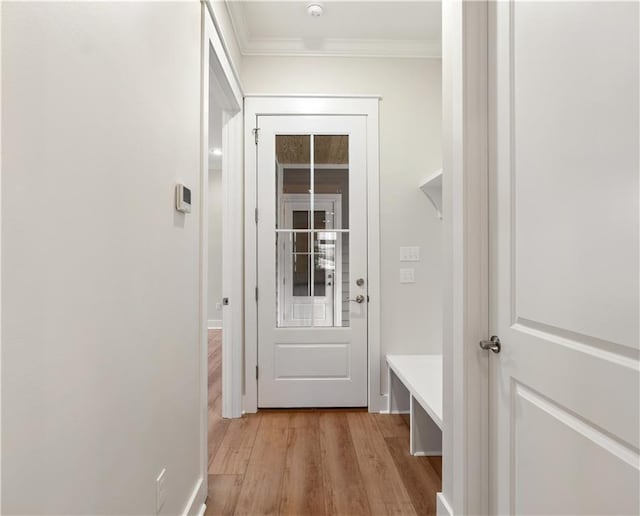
442	506
382	404
214	324
195	503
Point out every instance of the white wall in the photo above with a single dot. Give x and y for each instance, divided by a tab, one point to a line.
100	350
410	149
215	247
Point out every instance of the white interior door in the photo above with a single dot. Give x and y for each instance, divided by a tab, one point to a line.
312	261
565	280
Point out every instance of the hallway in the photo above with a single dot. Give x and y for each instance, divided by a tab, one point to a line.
313	462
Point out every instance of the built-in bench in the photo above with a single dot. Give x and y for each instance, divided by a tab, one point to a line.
415	387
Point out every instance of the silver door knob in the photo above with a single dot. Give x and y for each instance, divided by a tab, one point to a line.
494	344
358	299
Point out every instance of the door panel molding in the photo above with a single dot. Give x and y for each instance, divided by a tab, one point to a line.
312	105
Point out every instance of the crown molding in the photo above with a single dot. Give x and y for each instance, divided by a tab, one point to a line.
238	22
336	47
339	47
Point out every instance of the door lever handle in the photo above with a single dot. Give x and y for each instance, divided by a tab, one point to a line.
494	344
358	299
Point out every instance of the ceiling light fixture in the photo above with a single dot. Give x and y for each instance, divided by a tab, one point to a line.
216	151
315	10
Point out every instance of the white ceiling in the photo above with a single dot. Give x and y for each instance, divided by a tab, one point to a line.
353	28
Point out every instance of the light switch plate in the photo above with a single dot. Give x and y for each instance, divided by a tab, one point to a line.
409	254
407	275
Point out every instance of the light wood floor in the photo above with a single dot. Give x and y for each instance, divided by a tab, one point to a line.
313	462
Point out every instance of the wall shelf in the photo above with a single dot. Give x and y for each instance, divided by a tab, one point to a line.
432	188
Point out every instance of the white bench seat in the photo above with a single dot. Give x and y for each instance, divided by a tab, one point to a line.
415	386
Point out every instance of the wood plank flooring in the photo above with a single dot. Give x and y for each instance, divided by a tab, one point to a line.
313	462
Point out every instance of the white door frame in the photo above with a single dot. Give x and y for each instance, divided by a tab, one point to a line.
215	57
312	105
465	486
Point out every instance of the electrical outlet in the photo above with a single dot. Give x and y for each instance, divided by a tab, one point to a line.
407	276
409	254
161	490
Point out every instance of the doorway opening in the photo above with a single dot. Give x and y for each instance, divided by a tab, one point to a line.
293	298
221	269
215	298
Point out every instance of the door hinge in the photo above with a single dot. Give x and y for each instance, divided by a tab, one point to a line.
257	372
256	215
256	294
256	134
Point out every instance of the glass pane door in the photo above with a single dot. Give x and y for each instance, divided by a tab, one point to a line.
312	251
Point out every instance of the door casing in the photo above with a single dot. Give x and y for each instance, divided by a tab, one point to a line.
215	57
312	105
465	134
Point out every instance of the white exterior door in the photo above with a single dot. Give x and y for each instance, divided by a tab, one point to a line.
312	261
565	220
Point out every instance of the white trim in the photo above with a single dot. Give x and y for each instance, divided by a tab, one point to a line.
224	46
203	252
465	219
214	324
193	506
384	405
342	47
339	47
238	23
232	265
443	508
0	253
231	101
376	399
313	105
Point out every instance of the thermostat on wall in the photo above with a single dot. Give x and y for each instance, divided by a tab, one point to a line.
183	198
